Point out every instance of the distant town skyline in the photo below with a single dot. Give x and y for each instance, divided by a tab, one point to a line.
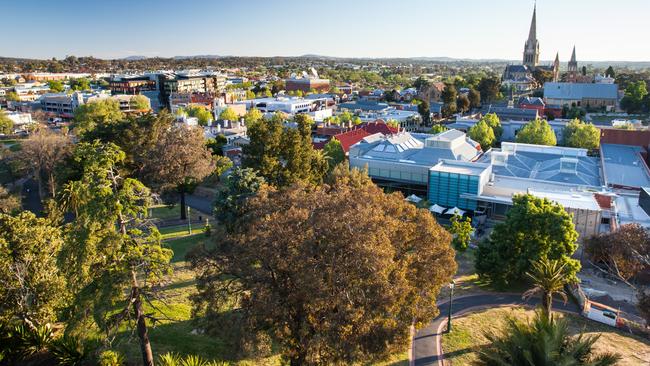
601	30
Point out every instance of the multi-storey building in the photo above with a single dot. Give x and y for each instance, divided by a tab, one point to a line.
190	82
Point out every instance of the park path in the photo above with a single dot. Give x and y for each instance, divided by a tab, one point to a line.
426	345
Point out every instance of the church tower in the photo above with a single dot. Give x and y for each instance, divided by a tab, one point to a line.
573	67
556	68
531	48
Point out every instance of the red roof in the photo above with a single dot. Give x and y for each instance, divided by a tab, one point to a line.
351	137
604	201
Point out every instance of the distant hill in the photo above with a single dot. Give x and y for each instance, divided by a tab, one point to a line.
134	58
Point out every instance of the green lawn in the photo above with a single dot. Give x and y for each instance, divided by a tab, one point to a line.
169	232
468	331
163	212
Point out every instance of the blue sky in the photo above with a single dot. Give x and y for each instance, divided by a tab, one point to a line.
600	29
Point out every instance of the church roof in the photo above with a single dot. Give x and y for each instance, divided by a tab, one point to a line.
517	69
575	91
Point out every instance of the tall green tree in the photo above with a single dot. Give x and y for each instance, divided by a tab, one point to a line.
56	86
635	94
284	156
137	136
474	98
199	112
228	114
483	134
140	103
461	232
31	285
304	289
581	135
80	84
90	115
449	96
334	153
113	258
542	342
534	228
489	88
425	112
6	124
179	162
537	132
610	72
548	278
463	103
493	121
240	185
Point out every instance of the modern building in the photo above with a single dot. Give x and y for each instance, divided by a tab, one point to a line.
131	84
402	161
289	105
306	84
62	105
190	82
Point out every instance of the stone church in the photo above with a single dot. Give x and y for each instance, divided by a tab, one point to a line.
521	76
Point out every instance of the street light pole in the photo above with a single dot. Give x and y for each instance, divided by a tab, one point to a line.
452	284
189	220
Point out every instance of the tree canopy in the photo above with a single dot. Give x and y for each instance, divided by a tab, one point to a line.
6	124
228	114
31	286
97	113
483	134
534	228
305	289
284	156
581	135
179	161
140	103
624	253
537	132
334	152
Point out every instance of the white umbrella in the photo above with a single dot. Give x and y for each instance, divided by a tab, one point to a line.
455	211
437	209
413	198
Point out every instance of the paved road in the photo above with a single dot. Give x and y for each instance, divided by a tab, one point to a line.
200	203
425	342
30	198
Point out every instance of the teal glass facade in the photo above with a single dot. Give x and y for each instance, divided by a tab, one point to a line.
446	188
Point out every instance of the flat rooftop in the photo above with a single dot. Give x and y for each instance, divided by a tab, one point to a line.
544	163
624	166
450	166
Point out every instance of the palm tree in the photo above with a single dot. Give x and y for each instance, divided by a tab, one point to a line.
542	342
548	277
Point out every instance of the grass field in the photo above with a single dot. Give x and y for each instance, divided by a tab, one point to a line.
467	336
170	232
163	212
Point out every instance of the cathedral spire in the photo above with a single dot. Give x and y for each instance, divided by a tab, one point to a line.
531	48
532	34
573	55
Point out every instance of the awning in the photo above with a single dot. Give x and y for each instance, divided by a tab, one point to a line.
413	198
437	209
455	211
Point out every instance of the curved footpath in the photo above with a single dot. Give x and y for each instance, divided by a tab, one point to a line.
426	342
